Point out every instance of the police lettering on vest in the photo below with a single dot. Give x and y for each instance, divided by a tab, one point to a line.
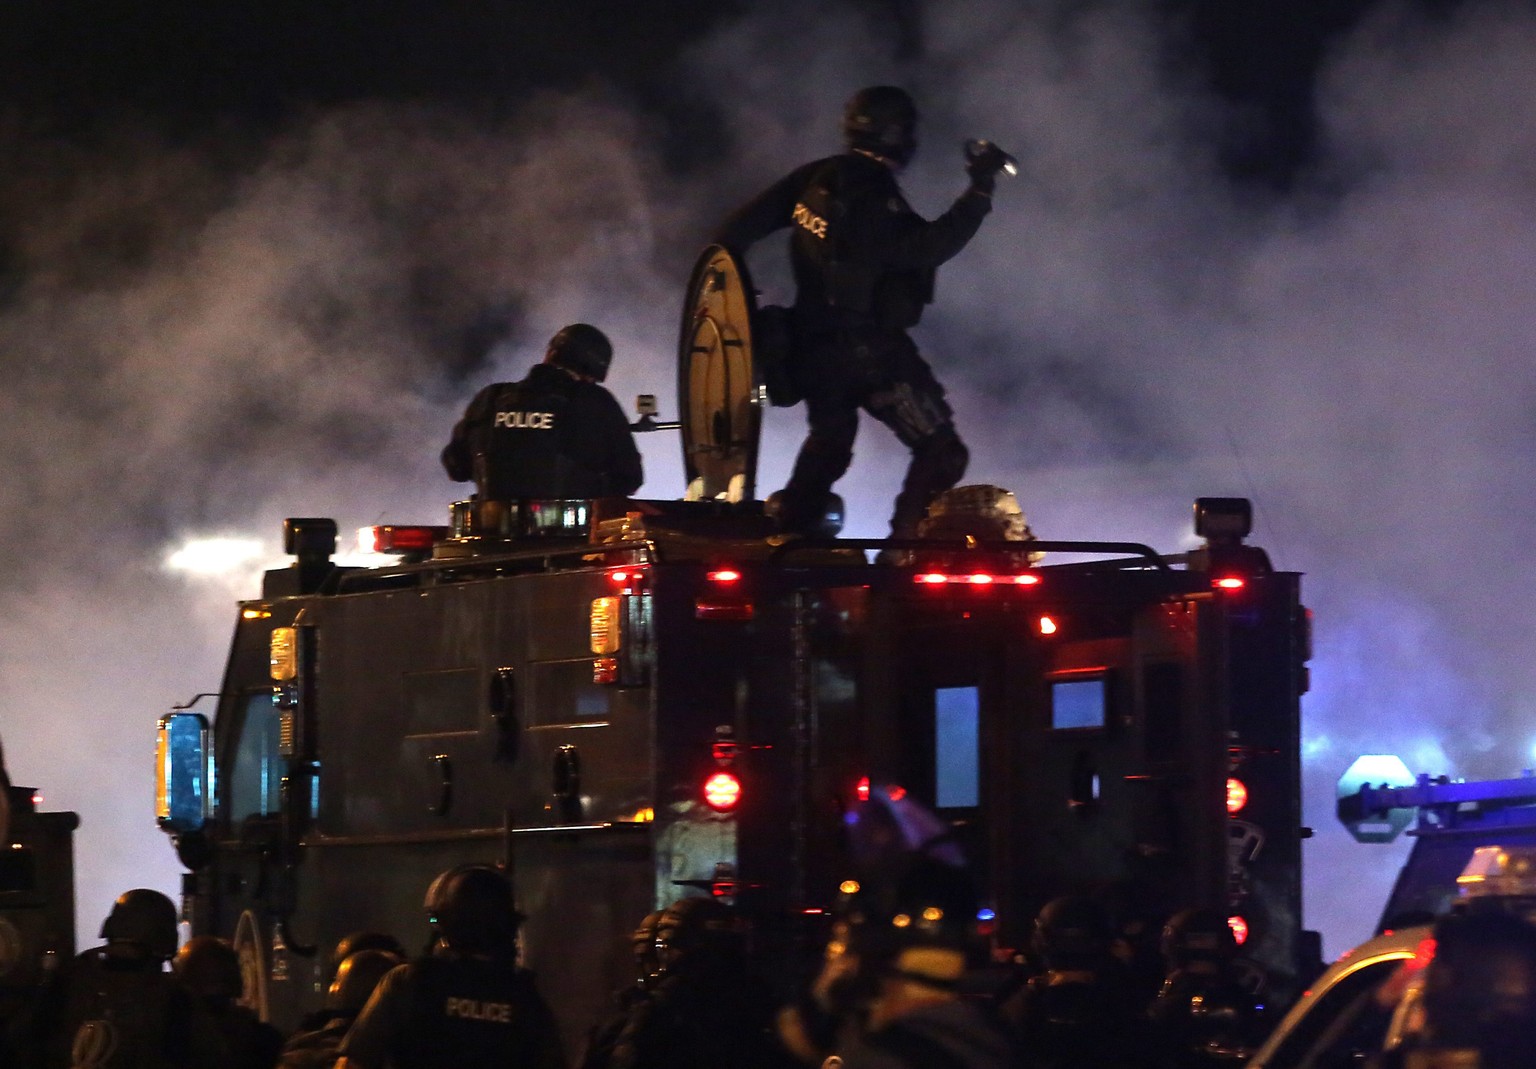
533	421
809	221
476	1010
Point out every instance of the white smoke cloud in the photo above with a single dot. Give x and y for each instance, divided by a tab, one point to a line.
207	337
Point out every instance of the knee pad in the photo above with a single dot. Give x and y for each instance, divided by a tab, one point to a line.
944	454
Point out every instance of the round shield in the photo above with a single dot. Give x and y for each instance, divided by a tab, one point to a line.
717	384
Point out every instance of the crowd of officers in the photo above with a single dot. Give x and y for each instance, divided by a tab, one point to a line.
891	992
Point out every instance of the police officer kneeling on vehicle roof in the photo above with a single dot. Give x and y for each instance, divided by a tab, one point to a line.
864	265
465	1004
555	434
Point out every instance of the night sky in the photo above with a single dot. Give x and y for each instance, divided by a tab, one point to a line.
254	259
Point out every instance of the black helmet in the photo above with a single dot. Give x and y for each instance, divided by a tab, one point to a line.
144	918
356	978
882	120
471	909
916	918
583	349
1072	930
209	968
355	942
696	926
1197	935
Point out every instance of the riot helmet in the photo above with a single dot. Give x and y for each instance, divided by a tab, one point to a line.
583	349
210	969
1072	931
1194	936
882	121
696	928
143	919
356	978
356	942
914	918
471	910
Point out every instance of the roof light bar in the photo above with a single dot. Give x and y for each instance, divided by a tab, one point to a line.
976	579
391	538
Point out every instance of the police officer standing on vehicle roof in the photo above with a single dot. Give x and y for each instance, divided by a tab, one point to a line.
465	1004
555	434
864	264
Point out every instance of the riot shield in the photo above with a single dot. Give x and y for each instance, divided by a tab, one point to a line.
720	378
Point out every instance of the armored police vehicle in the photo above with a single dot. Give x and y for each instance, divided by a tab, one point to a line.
625	702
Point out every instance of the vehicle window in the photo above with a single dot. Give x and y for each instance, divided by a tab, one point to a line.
257	773
956	722
1077	703
1348	1021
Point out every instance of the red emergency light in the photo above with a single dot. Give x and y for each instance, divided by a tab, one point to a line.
722	791
1237	795
626	578
975	579
861	790
390	538
1239	927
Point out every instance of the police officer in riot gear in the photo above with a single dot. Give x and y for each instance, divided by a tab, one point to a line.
1078	1011
1479	997
209	968
555	434
1204	1014
602	1038
317	1047
894	967
864	264
467	1002
705	1006
116	1006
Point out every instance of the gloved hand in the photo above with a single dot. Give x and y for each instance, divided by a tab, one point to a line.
983	161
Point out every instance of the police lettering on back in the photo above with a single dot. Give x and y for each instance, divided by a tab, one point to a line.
477	1010
531	421
810	222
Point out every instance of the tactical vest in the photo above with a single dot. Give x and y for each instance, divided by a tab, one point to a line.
470	1013
524	455
834	269
121	1019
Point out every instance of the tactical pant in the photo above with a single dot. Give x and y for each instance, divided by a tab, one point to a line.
881	372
